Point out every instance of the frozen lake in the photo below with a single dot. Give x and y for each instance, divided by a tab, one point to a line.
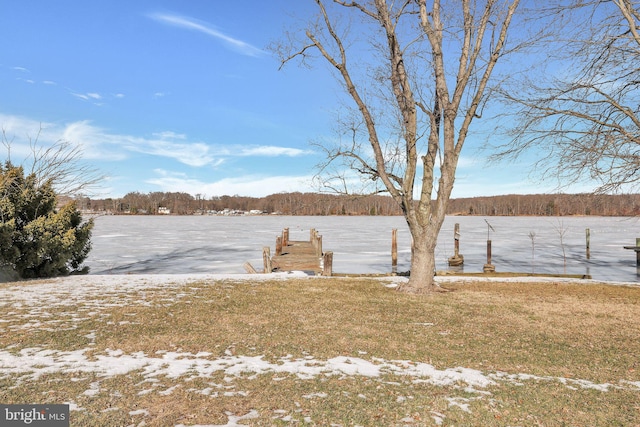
219	244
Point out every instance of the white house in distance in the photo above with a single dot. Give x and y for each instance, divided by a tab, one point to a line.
163	210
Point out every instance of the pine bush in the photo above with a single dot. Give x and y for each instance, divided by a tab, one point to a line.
36	238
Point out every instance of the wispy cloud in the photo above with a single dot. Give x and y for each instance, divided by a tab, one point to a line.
95	142
87	96
248	185
169	134
272	151
196	154
100	144
208	29
95	97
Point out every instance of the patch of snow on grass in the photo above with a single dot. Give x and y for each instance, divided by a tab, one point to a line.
459	402
438	418
31	363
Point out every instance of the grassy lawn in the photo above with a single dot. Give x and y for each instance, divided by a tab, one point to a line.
339	351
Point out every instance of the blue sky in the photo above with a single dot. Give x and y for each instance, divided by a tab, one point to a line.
182	96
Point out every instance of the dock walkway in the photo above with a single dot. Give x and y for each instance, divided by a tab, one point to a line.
299	255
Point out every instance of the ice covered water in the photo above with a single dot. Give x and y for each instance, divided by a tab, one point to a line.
221	244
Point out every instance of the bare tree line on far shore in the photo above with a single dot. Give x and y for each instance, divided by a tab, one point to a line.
321	204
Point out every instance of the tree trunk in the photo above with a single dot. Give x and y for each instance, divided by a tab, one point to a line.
423	261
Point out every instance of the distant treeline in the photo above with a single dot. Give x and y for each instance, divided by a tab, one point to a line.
548	205
330	204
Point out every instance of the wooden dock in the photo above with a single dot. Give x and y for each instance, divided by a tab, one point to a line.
299	255
635	248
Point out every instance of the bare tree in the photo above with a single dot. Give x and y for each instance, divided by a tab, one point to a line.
585	117
562	231
61	163
417	85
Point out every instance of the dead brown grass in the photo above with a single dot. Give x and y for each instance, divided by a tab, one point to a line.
575	331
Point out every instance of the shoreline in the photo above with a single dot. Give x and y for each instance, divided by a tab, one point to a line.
149	280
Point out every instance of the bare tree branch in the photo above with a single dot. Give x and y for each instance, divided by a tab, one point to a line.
60	163
587	121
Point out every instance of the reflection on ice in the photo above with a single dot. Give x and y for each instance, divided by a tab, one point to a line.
216	244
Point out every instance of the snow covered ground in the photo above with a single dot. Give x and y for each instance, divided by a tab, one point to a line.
218	244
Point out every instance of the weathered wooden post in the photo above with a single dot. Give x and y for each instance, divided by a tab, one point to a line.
327	264
278	245
488	267
266	258
318	245
637	256
456	260
394	250
285	237
588	243
249	268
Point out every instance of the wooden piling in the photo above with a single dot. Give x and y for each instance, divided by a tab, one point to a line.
266	258
249	268
456	260
394	250
318	245
278	245
285	237
488	267
588	232
327	264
